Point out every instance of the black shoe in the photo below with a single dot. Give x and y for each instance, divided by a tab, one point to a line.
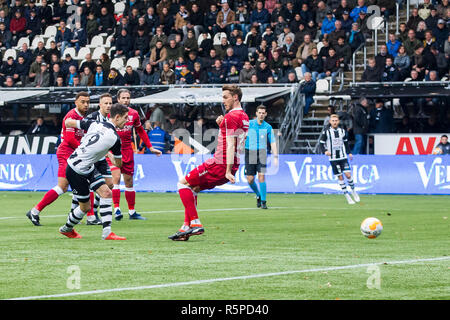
196	231
95	222
263	205
34	218
180	235
258	202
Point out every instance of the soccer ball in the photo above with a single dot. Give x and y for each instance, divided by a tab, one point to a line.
437	151
371	227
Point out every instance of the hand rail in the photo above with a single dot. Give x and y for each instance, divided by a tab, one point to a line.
354	60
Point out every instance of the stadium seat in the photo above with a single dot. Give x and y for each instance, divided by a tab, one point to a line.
117	63
119	8
122	71
35	42
49	40
319	46
322	86
50	32
108	41
98	52
218	37
299	73
133	62
21	42
111	50
82	53
97	41
10	53
70	51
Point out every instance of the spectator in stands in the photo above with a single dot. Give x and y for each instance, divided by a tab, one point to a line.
8	69
181	19
114	78
338	32
65	65
195	20
45	14
52	51
246	73
403	32
149	76
42	78
412	43
360	114
173	50
199	74
38	127
444	145
131	77
441	33
225	18
308	88
413	20
26	53
289	49
361	7
33	25
160	139
60	12
72	74
424	9
5	36
100	76
106	22
35	68
283	36
356	37
167	75
420	31
432	19
381	118
217	73
306	14
79	37
346	22
190	43
141	43
380	58
328	24
231	60
442	62
406	126
313	64
63	37
242	19
321	13
362	22
17	26
21	72
402	62
232	76
185	76
343	52
260	17
158	55
263	72
393	44
40	50
86	77
390	72
330	66
304	51
124	44
372	72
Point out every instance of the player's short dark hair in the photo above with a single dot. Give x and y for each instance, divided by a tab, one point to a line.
261	106
444	136
118	109
105	95
123	91
234	89
81	94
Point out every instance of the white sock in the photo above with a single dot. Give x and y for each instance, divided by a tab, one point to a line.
35	211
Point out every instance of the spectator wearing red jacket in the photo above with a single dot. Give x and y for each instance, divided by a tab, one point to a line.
17	27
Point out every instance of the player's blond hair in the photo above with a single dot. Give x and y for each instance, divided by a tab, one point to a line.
234	89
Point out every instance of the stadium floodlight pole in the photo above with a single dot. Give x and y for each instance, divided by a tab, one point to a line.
397	10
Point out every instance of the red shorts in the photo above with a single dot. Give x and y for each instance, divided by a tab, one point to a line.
127	162
62	156
209	175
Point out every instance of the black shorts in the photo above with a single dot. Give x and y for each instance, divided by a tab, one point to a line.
103	167
340	166
82	184
255	161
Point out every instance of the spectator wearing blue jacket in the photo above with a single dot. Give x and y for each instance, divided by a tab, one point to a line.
393	44
231	59
328	24
160	139
354	14
260	16
63	37
308	88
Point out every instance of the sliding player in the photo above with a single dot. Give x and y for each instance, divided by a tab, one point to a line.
82	174
335	143
70	140
259	132
218	170
126	136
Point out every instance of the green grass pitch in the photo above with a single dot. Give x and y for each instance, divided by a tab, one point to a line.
311	234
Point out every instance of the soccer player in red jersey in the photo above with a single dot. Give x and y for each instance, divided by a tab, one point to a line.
218	170
127	169
70	140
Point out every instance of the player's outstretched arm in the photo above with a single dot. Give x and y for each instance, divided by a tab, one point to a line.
231	143
71	123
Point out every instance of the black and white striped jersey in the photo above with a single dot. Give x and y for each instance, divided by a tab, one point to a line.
100	137
97	116
336	142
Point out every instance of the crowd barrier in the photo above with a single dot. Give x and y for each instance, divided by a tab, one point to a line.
372	174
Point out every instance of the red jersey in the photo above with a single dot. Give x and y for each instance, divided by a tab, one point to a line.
235	123
70	137
126	134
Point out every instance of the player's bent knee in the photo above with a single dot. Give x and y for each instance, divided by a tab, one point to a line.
250	179
104	191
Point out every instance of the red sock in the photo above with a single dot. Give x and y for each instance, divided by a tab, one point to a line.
91	197
116	197
130	195
48	198
188	199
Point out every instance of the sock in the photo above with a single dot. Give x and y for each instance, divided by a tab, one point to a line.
343	186
188	200
74	218
116	196
130	195
96	204
106	215
48	198
263	189
351	184
75	203
91	199
196	223
184	227
255	188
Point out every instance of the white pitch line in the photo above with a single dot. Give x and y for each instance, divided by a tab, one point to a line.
197	282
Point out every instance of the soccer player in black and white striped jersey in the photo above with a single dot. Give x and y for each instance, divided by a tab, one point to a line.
335	143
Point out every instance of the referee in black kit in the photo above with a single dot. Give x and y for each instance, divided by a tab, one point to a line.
335	143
